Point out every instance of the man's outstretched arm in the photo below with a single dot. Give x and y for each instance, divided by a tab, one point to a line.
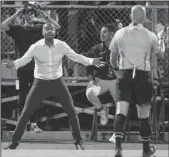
71	54
22	61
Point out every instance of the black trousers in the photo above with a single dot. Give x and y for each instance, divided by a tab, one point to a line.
26	78
40	90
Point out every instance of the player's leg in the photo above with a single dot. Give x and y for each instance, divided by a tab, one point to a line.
33	125
64	97
112	90
23	89
33	100
145	129
93	91
143	90
124	95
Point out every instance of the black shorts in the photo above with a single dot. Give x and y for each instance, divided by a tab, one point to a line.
138	90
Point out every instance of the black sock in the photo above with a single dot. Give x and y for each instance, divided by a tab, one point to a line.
119	129
28	127
146	146
118	142
145	132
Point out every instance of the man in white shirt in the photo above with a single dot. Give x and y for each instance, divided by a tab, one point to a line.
131	49
48	54
24	35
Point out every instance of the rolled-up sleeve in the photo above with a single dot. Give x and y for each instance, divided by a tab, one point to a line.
71	54
26	58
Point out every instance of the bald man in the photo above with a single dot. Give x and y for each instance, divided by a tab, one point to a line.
48	53
131	50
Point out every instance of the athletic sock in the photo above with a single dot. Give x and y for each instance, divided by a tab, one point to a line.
145	132
119	129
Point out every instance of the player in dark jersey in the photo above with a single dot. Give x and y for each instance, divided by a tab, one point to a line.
102	79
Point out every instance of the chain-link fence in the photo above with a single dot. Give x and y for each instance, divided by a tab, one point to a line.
80	28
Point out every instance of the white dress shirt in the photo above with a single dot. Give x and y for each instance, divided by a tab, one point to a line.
135	45
48	60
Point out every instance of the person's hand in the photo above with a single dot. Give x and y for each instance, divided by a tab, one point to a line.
119	24
42	4
160	31
19	11
90	77
148	3
95	82
97	62
116	73
43	13
8	63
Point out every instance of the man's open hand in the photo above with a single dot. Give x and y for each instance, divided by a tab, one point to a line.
160	30
43	13
8	63
97	62
19	11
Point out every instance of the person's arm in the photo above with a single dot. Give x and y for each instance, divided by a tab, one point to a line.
158	42
158	46
88	53
26	58
92	52
7	22
71	54
114	52
50	20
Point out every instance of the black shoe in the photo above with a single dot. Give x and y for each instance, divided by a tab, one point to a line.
118	153
79	147
12	145
151	152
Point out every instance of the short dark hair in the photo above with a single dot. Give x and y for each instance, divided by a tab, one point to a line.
112	27
30	7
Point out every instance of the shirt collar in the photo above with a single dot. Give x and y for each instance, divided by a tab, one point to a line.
138	25
43	42
104	46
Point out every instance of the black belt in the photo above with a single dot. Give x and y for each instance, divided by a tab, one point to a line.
134	71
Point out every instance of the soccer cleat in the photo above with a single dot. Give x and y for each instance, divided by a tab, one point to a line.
151	152
118	153
12	145
35	128
112	139
104	116
80	147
